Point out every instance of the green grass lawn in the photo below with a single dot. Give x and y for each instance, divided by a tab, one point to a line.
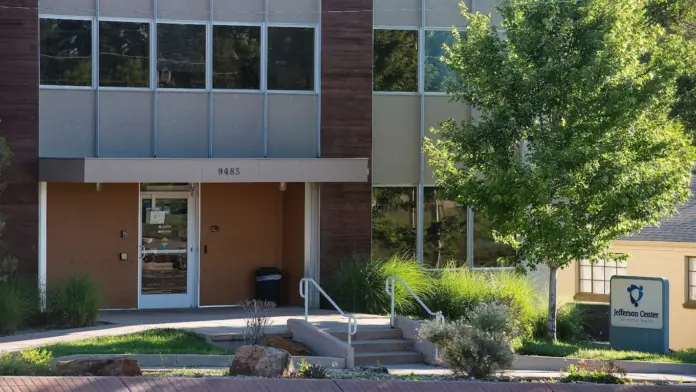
598	351
154	341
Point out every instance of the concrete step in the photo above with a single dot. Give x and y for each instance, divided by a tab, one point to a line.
381	345
370	334
388	358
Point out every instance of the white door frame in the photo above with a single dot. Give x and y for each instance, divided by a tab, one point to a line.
164	301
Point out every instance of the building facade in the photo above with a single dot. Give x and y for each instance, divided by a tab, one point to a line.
170	148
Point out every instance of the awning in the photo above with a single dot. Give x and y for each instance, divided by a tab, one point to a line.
206	170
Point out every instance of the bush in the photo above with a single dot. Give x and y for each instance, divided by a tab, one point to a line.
312	370
74	303
479	343
457	292
35	362
18	303
358	285
571	323
605	372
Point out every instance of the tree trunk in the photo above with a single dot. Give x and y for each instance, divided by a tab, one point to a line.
551	325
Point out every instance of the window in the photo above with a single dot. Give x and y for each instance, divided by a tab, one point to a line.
594	278
181	56
438	75
65	52
393	222
487	251
124	54
395	61
444	230
692	279
236	57
290	58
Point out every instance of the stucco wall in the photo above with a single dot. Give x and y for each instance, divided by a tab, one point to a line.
656	259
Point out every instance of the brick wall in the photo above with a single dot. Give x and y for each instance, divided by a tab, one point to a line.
19	105
346	126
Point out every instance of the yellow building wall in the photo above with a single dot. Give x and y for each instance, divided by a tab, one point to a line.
655	259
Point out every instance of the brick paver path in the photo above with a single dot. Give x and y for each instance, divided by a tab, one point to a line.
113	384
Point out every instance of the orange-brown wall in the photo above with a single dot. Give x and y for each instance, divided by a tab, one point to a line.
84	236
250	218
293	242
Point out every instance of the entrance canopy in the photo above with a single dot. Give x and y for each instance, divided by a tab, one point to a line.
204	170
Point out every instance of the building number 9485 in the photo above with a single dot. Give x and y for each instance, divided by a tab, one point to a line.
228	171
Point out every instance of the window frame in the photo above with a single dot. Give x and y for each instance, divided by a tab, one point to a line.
591	295
152	49
262	58
208	62
94	33
689	303
317	54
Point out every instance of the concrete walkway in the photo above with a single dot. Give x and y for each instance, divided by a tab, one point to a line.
214	323
89	384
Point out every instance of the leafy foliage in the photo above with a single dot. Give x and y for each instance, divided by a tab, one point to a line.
18	303
477	344
358	285
574	146
34	362
311	370
75	302
572	323
606	372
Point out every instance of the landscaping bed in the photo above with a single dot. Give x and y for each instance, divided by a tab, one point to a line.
600	351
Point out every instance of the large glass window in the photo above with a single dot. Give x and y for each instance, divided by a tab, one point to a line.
181	56
691	270
290	58
595	277
438	75
236	57
487	251
393	222
65	52
124	54
395	61
444	230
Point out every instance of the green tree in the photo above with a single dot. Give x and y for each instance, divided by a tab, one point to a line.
574	146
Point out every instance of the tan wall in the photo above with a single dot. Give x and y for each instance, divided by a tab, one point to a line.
250	236
293	242
657	259
84	236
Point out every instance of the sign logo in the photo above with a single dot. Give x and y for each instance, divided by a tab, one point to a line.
631	289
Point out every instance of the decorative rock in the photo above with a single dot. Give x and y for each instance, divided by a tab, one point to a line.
261	361
291	346
374	369
114	367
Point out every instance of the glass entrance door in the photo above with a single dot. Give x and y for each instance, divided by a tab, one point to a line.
166	253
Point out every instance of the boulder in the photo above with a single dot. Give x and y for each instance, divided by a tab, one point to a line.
291	346
261	361
112	367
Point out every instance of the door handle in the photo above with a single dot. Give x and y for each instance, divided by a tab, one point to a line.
205	249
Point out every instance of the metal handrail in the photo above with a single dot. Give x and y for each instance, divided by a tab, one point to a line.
304	293
393	279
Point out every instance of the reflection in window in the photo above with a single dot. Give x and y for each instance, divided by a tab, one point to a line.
395	60
487	252
290	58
181	56
595	278
444	230
124	54
438	75
393	222
236	57
65	52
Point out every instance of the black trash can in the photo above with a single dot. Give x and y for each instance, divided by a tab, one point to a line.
269	284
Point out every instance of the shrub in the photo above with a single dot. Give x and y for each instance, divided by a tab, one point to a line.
479	343
358	285
603	372
571	323
312	370
35	362
74	303
457	292
18	303
258	318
